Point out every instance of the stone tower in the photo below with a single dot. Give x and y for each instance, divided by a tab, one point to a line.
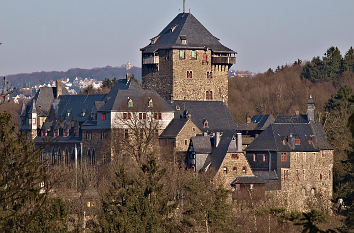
186	62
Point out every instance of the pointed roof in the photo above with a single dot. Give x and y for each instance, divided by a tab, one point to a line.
185	26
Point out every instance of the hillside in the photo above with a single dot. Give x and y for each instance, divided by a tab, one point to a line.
30	79
282	92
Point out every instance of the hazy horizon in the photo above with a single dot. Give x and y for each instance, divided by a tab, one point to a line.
56	36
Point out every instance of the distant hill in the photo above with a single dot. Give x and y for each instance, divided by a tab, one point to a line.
31	79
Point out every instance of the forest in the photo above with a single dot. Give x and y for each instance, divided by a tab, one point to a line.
149	192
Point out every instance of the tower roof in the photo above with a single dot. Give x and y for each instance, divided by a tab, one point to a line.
185	27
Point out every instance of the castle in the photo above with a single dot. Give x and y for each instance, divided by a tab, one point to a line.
185	90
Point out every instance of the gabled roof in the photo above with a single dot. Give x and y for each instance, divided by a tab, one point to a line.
185	26
215	112
117	99
173	129
296	119
310	134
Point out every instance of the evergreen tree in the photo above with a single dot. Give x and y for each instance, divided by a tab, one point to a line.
24	202
349	60
333	62
205	207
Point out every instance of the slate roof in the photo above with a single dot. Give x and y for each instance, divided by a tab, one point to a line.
202	144
173	129
43	100
296	119
266	175
215	112
311	135
117	98
185	25
258	122
76	105
248	180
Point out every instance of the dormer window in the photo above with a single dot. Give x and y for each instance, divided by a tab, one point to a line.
83	113
297	141
130	103
150	104
68	113
104	117
93	116
183	40
154	40
173	28
206	124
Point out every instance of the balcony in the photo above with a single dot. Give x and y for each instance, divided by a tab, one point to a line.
151	60
223	60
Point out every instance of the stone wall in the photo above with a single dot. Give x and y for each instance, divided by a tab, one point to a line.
183	138
308	183
234	164
169	77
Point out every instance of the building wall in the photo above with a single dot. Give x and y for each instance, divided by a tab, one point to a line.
158	77
195	88
308	183
230	162
183	138
169	77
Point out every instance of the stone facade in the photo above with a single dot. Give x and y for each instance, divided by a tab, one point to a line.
182	140
308	182
170	78
233	165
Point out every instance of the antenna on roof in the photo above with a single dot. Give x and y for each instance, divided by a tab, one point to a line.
184	6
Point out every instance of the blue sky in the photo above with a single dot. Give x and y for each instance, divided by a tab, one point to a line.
43	35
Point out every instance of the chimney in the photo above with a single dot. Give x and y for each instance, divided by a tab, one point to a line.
59	88
239	143
127	77
217	138
311	109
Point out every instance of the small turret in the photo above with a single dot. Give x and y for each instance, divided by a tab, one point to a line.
311	109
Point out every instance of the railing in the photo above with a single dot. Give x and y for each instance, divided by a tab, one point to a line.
223	60
151	60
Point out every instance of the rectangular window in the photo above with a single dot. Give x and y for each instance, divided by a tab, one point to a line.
304	174
181	54
264	158
225	170
209	75
234	156
297	156
194	54
283	157
34	121
125	116
157	116
185	142
103	116
189	74
205	59
304	156
286	174
30	121
126	134
209	95
144	116
140	115
254	157
297	141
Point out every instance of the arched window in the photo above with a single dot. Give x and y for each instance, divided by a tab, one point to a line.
89	156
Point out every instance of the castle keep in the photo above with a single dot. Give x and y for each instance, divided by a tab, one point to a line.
186	62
